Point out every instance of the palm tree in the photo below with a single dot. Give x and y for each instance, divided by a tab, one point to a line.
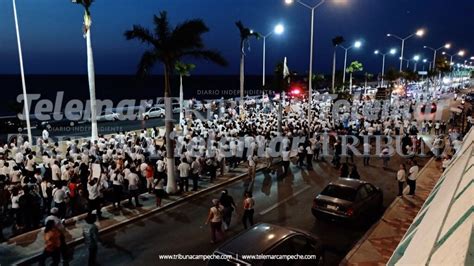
353	67
245	34
86	4
336	41
182	69
168	46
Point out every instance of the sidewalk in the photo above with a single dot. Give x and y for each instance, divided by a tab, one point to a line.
378	244
24	248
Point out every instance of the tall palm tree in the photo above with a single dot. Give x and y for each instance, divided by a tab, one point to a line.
182	69
355	66
336	41
167	46
245	34
86	4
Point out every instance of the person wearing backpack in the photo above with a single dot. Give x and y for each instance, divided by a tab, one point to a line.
215	220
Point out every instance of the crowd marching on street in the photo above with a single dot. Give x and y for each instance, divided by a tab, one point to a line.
44	183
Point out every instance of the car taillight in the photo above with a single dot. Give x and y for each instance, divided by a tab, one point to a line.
350	212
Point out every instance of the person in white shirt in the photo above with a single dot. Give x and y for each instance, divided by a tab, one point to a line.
309	156
184	168
401	178
56	173
252	166
412	176
59	196
446	162
215	219
93	187
117	185
285	157
195	170
133	182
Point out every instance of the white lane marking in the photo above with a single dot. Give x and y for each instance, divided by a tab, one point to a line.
283	201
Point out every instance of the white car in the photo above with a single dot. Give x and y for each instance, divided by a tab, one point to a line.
153	113
108	116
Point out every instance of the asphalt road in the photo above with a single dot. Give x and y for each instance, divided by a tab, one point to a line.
286	202
279	201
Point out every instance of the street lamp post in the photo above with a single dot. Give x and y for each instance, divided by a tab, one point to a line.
23	82
418	33
461	53
435	50
356	44
279	29
392	52
416	58
310	74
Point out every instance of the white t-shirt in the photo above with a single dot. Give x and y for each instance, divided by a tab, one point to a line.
413	172
55	172
401	175
216	214
285	156
184	169
59	195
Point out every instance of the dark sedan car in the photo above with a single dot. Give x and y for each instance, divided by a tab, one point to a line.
429	107
267	239
348	199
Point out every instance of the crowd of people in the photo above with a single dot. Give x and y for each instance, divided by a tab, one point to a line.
52	178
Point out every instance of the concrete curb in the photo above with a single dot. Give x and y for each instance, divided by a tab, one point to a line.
77	241
364	238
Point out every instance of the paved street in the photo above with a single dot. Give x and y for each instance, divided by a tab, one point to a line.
284	202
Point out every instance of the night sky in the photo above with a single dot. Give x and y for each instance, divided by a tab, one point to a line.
53	43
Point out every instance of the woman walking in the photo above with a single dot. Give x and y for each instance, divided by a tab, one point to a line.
159	191
215	220
248	209
52	243
401	178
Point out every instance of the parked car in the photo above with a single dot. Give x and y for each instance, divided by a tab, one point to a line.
108	116
153	113
68	120
268	239
347	199
429	107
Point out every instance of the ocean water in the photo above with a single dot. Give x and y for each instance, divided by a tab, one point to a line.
117	88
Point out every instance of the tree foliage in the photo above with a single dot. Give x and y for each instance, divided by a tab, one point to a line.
245	35
355	66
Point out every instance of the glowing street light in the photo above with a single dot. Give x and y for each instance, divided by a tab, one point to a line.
278	30
391	52
357	45
310	74
416	58
435	50
461	53
418	33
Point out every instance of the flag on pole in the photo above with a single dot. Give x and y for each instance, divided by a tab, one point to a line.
286	71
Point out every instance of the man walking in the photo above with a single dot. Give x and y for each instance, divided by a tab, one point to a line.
91	238
184	168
